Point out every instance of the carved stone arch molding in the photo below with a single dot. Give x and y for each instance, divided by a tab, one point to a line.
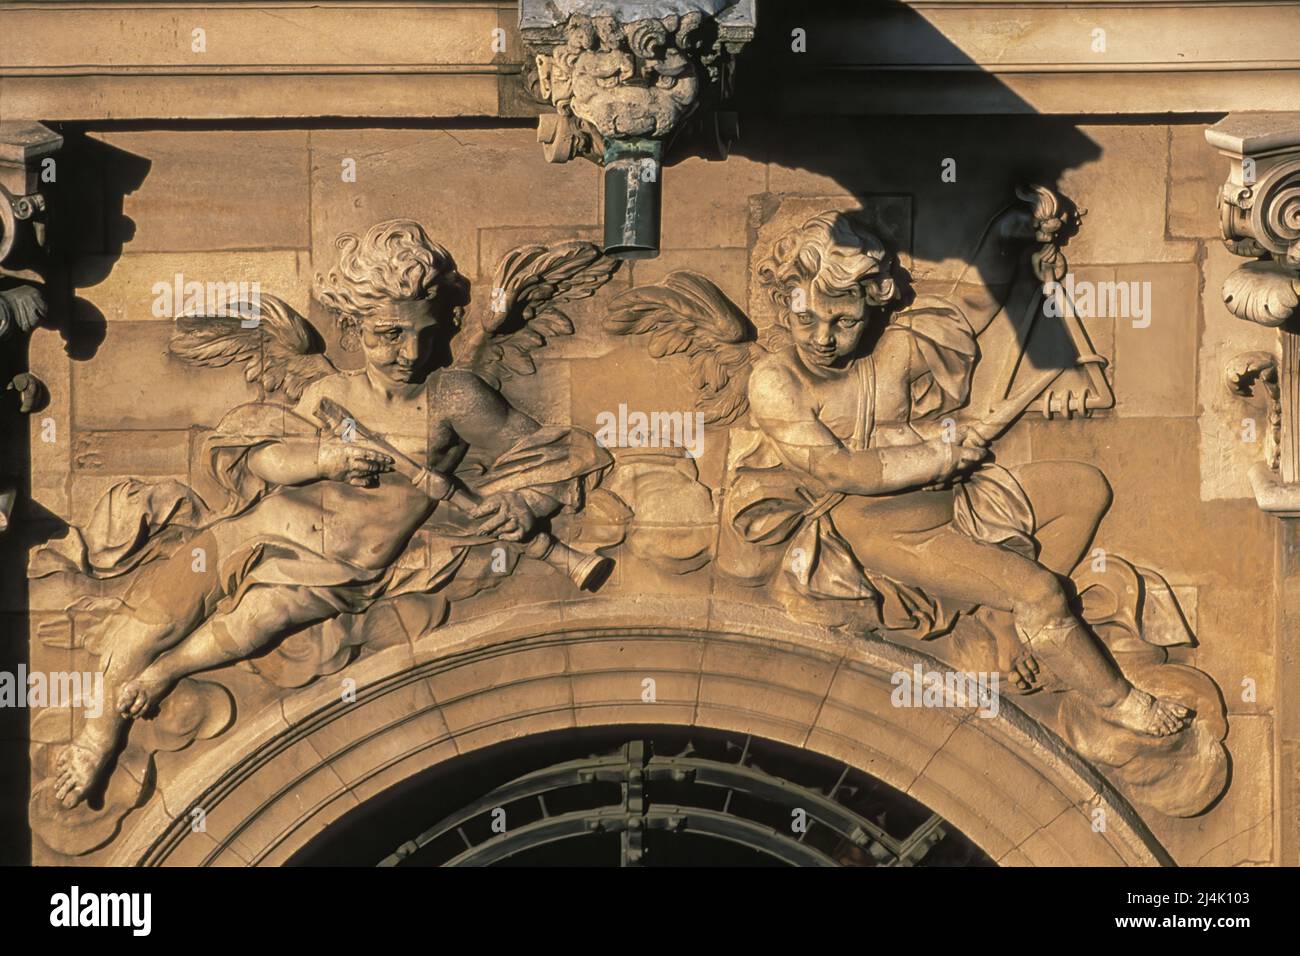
267	789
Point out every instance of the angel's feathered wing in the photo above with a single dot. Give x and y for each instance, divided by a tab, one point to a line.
688	313
519	314
281	349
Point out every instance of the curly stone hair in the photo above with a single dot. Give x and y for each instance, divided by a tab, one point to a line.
395	261
837	253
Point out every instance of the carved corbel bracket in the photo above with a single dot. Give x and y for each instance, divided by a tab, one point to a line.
1253	375
25	148
1259	209
624	79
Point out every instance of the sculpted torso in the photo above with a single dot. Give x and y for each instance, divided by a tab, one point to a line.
831	397
834	393
366	526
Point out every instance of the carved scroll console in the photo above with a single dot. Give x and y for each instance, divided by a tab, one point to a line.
1260	215
625	79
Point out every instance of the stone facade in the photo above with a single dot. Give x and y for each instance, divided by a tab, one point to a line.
227	186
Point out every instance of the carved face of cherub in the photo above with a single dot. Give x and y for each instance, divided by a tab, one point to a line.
826	277
828	330
395	293
397	339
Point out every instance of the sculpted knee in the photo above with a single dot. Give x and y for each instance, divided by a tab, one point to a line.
1042	599
1090	489
156	626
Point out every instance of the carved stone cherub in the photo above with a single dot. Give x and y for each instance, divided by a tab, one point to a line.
323	498
858	481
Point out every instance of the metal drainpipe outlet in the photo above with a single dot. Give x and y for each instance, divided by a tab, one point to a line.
633	168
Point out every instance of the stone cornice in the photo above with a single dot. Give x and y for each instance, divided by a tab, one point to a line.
67	60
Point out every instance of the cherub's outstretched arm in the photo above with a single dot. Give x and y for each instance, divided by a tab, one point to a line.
282	352
781	410
484	419
301	459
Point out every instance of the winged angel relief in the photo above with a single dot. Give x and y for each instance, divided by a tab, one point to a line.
862	487
321	505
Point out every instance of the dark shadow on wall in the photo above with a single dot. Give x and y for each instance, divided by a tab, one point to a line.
15	471
805	91
810	113
86	234
102	175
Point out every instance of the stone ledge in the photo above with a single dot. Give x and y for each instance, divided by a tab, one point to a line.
1274	496
435	59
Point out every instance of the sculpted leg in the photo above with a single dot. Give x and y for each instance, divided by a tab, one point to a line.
1072	653
951	564
265	615
1069	499
80	763
163	605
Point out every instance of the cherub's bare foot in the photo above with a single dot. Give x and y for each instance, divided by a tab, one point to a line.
1141	712
1024	671
1016	660
137	696
78	766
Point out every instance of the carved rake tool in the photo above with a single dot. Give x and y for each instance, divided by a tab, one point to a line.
588	571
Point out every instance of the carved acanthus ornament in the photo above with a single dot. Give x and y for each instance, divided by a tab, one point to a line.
1260	214
624	77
